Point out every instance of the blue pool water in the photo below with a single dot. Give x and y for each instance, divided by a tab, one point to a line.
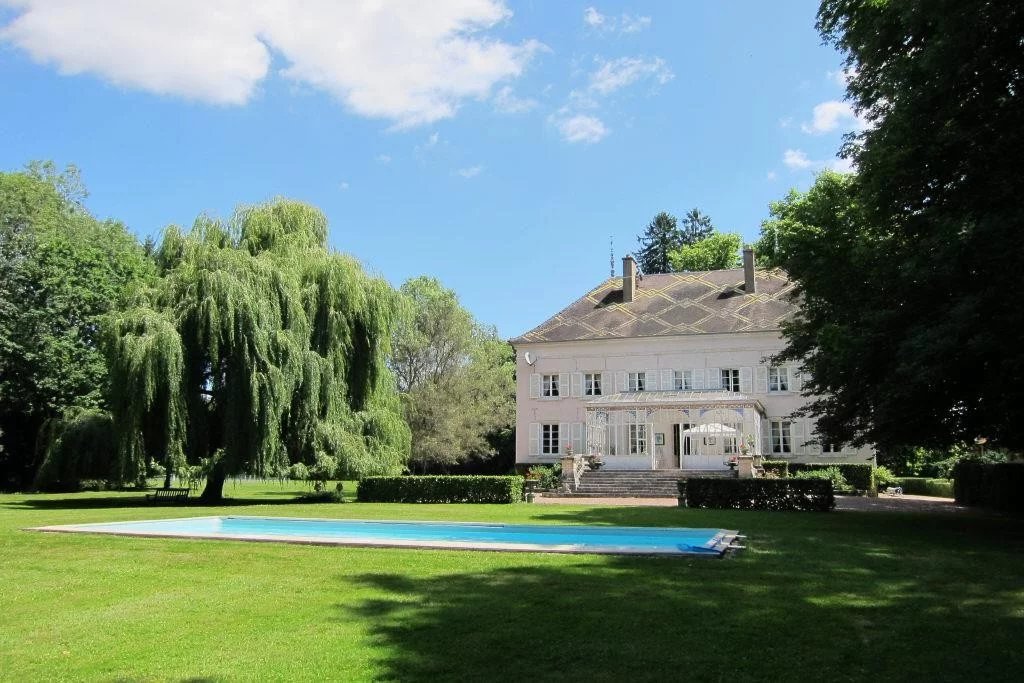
462	535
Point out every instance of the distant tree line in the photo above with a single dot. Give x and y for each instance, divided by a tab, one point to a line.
665	246
237	346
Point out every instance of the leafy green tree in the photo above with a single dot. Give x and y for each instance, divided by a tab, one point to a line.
258	347
715	252
907	280
696	227
661	237
456	377
61	271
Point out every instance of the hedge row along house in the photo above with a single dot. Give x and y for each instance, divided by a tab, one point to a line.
667	372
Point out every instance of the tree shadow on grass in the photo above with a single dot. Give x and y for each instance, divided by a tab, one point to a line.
805	606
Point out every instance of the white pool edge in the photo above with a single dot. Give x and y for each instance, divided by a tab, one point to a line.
718	544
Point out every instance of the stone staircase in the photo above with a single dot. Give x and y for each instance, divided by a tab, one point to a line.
636	484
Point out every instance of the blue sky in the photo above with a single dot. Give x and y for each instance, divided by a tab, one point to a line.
496	146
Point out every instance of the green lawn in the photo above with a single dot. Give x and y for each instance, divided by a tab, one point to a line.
836	596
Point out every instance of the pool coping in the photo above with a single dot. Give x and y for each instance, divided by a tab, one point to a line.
718	545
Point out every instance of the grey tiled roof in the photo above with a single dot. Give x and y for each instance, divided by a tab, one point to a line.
703	302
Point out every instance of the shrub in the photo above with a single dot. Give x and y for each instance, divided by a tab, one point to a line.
298	472
884	477
831	474
324	496
549	477
757	494
441	489
923	486
995	485
857	475
774	469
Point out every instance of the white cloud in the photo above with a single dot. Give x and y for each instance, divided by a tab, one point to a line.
593	18
409	63
343	185
772	175
796	159
582	128
618	73
631	24
470	172
432	140
841	77
828	116
786	122
383	159
624	23
506	102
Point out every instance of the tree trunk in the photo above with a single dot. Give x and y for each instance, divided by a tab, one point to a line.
214	491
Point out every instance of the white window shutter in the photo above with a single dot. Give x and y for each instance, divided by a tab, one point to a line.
746	380
606	388
649	440
620	381
563	437
563	384
535	385
667	379
534	438
651	380
766	437
714	378
576	382
577	437
698	379
796	379
812	448
796	431
761	380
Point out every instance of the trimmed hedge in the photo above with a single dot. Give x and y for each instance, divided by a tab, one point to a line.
858	475
923	486
778	468
999	486
757	494
440	489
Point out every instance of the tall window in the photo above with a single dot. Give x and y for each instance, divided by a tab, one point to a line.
637	381
782	436
549	439
549	385
778	379
730	379
592	384
637	439
682	380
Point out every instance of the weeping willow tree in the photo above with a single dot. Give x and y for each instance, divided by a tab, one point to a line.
260	347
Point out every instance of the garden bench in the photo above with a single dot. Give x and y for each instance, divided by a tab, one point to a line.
168	495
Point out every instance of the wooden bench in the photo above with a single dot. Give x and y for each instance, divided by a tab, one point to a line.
168	495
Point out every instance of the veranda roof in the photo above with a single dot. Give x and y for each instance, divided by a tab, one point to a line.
672	399
710	428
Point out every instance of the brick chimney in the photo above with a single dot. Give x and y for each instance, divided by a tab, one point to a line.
628	278
748	270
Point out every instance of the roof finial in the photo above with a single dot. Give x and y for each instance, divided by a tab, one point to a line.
611	254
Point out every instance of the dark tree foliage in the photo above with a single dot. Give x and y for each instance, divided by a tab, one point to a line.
909	273
61	271
696	227
661	238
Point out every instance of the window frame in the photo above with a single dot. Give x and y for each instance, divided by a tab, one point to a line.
682	380
779	379
733	375
636	381
638	437
550	438
592	384
550	386
781	436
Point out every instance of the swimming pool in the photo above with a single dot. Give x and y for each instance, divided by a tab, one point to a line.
448	535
